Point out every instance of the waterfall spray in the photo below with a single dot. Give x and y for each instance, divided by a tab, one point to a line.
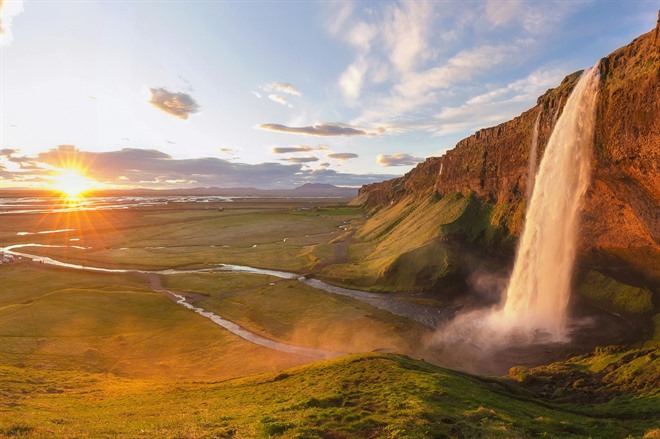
539	288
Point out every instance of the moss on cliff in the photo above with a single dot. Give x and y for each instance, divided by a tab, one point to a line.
614	296
404	247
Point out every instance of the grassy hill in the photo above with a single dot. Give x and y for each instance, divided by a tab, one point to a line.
366	395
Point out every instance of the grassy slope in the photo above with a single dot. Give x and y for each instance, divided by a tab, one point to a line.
66	320
368	395
401	247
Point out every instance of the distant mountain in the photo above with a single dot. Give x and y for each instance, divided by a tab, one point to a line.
326	189
306	190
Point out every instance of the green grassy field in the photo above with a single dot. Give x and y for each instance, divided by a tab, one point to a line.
88	354
290	311
367	395
278	236
57	319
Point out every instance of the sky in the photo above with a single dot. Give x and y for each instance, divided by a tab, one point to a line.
274	94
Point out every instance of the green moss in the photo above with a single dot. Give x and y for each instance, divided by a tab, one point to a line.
421	267
400	248
614	296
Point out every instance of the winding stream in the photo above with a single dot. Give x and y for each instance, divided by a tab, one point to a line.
426	315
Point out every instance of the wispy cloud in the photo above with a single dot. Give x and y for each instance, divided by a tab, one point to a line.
534	17
406	30
352	79
256	94
282	87
398	159
337	14
291	149
180	105
8	10
500	12
301	160
280	100
227	150
321	129
342	155
409	57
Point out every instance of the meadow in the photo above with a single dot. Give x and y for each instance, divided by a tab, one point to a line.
107	354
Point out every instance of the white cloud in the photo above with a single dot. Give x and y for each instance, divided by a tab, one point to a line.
500	12
256	94
398	159
361	35
406	31
280	100
533	85
533	17
291	149
282	87
8	10
326	129
417	89
301	160
337	13
342	155
411	56
352	79
179	105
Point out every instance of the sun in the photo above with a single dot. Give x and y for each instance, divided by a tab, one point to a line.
72	183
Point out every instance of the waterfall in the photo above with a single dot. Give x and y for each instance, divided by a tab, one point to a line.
539	288
531	165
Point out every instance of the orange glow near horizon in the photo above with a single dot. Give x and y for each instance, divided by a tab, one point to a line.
72	183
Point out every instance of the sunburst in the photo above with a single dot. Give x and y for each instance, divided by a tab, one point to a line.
72	183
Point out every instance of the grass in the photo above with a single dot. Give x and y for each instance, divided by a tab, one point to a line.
400	248
58	319
176	237
292	312
367	395
102	355
609	294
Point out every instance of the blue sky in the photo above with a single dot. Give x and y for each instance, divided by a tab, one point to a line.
275	94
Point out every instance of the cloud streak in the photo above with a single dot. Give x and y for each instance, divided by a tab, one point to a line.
179	105
320	129
282	87
291	149
342	155
280	100
398	159
301	160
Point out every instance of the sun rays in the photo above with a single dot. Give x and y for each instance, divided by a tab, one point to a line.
72	184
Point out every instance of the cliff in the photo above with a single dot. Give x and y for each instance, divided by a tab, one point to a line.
620	229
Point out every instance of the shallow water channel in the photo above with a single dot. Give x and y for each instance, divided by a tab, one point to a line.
426	315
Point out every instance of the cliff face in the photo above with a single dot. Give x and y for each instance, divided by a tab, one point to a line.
621	219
